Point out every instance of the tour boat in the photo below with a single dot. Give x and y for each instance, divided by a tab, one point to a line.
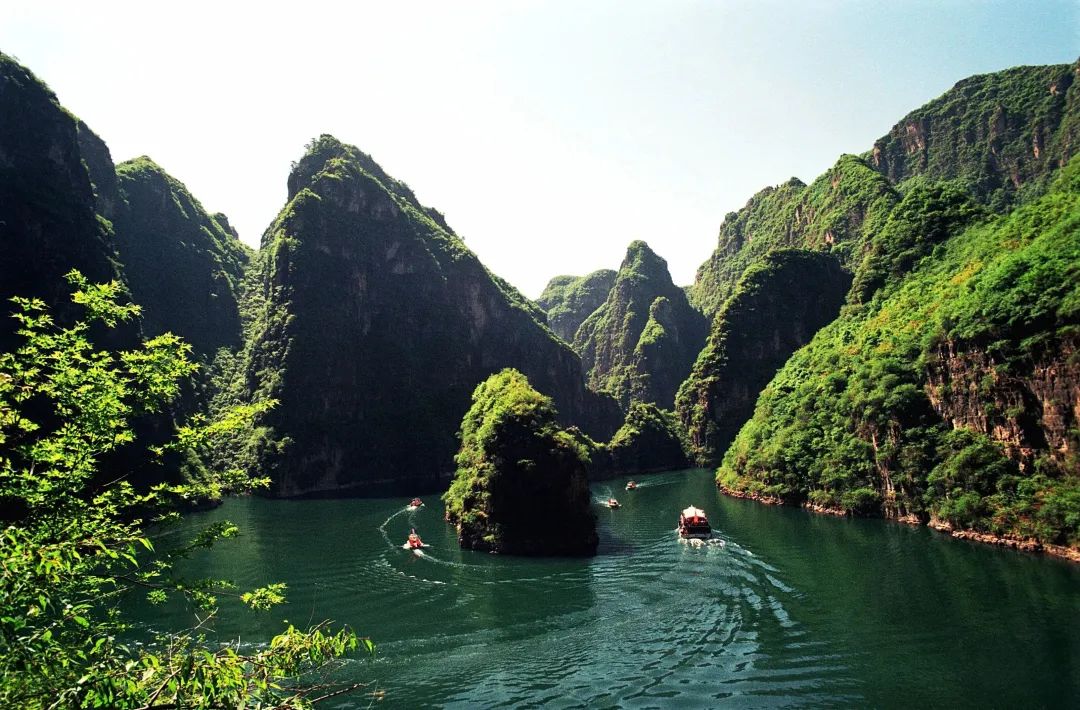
415	503
612	503
694	525
414	542
631	485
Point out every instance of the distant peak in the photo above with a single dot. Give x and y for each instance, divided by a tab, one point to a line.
640	258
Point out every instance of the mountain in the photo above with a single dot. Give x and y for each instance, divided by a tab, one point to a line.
48	219
375	324
640	343
569	300
777	306
1003	135
952	397
184	266
834	214
946	390
844	212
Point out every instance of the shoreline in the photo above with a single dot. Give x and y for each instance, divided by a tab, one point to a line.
1029	545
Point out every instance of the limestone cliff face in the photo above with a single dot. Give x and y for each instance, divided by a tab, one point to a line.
377	323
777	307
569	300
997	132
48	224
1030	408
183	266
639	345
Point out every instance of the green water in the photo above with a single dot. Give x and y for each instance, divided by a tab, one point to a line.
791	610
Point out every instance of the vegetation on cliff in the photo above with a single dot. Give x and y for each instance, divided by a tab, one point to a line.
882	414
777	306
183	266
649	440
569	300
521	485
836	213
640	343
75	541
1001	135
48	223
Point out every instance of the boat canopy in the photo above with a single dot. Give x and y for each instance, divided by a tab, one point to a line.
693	512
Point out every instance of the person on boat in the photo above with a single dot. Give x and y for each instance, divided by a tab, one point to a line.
416	502
414	539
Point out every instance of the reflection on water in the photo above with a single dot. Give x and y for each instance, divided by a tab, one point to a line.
783	609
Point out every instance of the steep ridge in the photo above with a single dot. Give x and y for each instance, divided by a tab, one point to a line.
778	305
972	135
1003	135
639	345
836	213
569	300
183	266
375	325
951	397
48	223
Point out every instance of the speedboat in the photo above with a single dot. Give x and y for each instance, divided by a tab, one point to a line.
413	542
694	524
612	503
631	485
415	503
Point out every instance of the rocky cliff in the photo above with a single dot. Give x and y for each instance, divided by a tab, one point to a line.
521	484
375	325
639	345
183	266
1002	134
779	304
48	223
569	300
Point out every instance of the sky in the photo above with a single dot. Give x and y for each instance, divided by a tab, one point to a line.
550	134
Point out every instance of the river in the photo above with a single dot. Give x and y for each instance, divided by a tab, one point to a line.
784	609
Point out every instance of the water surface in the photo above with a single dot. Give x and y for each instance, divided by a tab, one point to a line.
784	609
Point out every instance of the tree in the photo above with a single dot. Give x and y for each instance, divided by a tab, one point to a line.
75	539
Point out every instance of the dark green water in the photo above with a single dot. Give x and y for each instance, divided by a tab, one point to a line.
793	610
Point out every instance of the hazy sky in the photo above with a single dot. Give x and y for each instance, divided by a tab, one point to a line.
551	134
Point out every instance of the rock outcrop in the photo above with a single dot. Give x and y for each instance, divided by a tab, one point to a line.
376	325
569	300
639	345
521	484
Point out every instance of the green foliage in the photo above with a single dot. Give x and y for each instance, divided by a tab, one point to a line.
779	302
850	413
835	213
650	439
1001	135
521	484
569	300
75	541
639	344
